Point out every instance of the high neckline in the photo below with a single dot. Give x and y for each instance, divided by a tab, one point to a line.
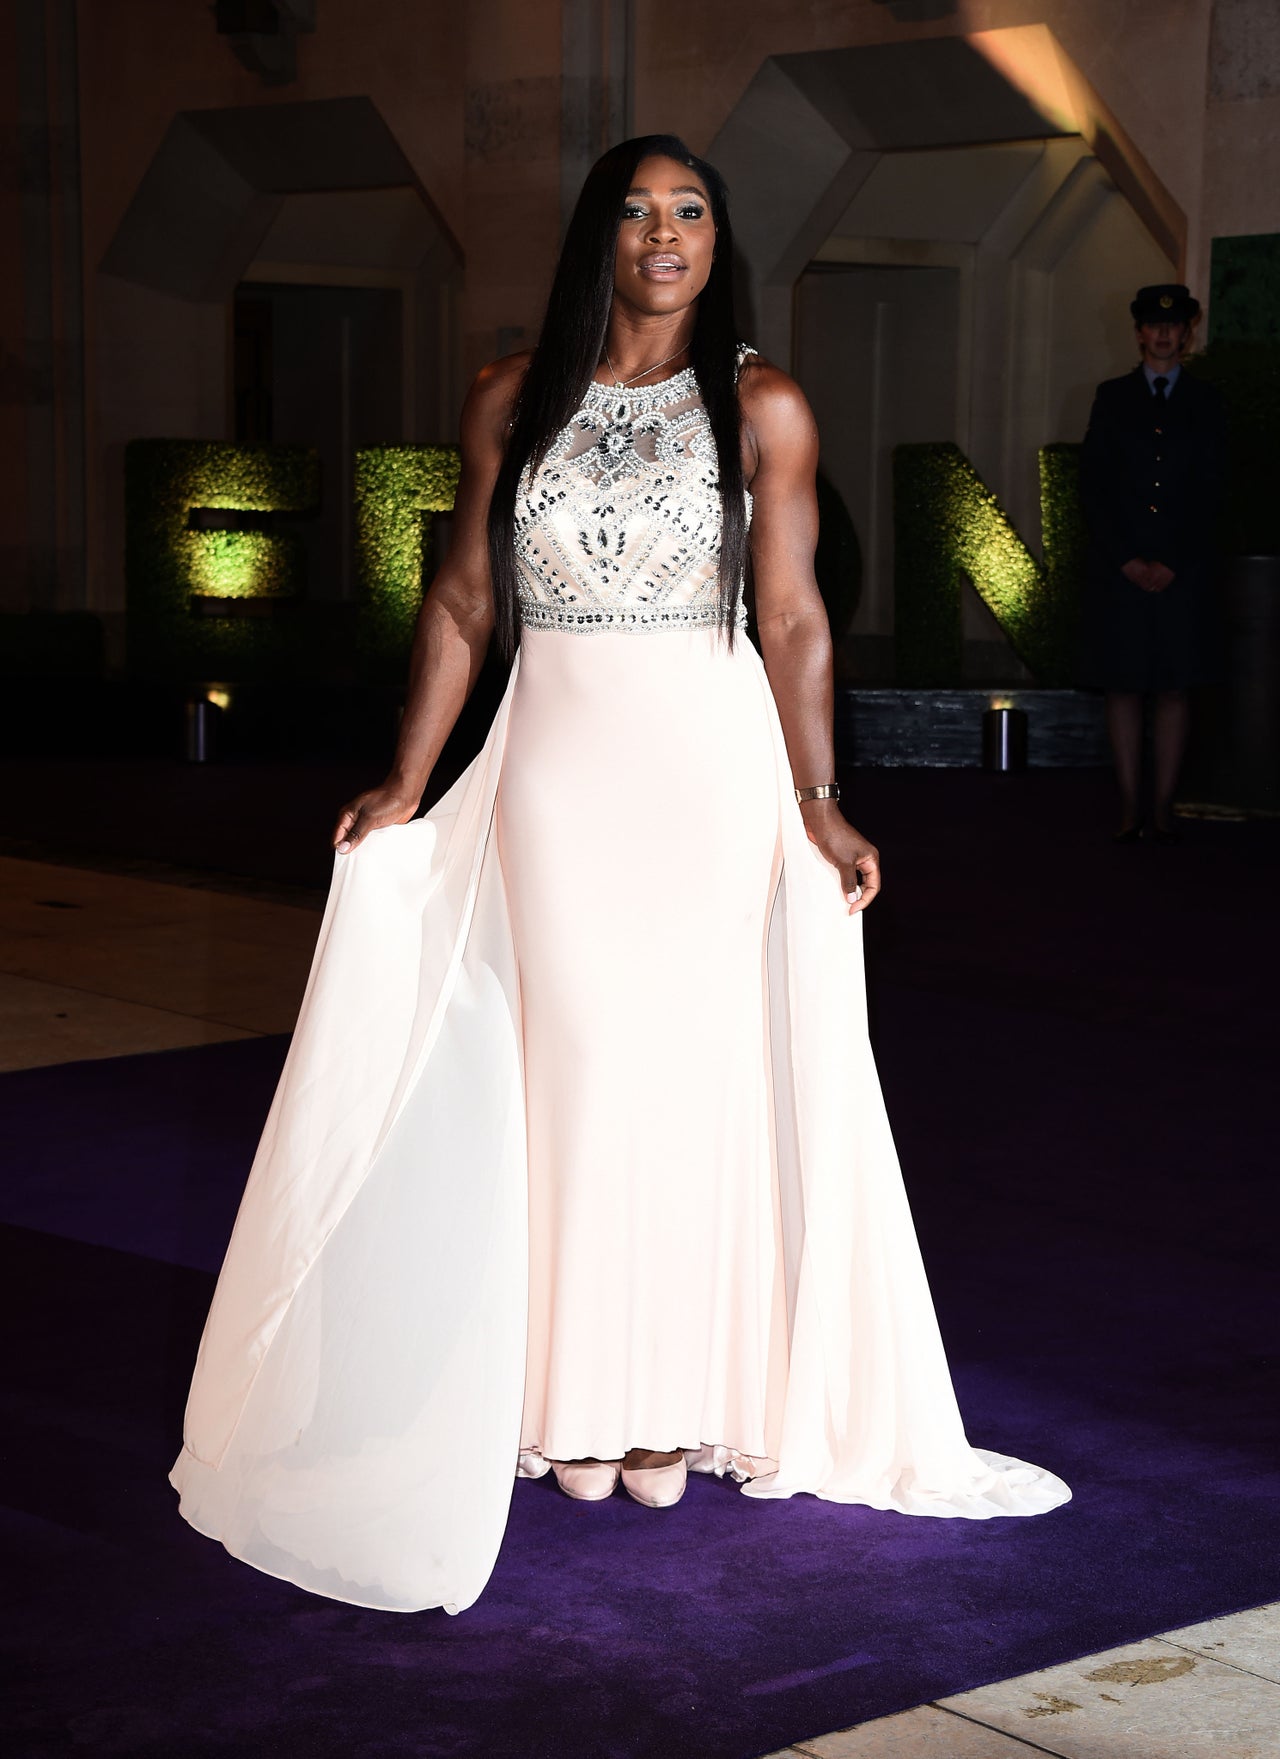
641	396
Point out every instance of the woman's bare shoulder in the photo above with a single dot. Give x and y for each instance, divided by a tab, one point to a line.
492	397
774	407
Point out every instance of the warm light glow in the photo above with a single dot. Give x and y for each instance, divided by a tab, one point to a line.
1001	702
1030	60
236	564
218	695
184	577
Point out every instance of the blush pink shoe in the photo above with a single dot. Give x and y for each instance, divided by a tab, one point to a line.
587	1480
657	1487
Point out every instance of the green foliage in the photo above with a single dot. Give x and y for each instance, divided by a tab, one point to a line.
398	489
1065	546
1243	360
175	575
1244	280
1248	375
948	524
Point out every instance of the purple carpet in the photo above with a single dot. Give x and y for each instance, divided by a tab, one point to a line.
1073	1044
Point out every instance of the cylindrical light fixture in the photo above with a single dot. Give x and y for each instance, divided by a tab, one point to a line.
1004	738
200	730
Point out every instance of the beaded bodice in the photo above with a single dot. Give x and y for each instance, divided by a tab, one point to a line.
620	527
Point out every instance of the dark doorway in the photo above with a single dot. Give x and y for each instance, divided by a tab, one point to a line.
875	351
321	366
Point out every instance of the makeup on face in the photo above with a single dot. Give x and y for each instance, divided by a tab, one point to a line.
666	237
688	206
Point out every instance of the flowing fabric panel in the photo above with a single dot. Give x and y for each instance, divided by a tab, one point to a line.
389	950
871	1415
373	1460
373	1296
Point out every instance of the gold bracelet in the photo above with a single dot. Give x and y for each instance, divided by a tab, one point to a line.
826	791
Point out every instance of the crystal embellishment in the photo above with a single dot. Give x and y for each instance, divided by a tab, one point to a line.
619	530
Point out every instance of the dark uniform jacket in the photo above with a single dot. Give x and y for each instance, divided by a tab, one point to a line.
1151	478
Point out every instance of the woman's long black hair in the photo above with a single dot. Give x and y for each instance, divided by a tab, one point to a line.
569	350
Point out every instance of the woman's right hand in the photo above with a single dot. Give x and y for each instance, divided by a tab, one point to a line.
370	811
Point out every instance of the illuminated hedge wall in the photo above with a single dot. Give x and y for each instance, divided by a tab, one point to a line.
1064	545
948	524
175	575
398	489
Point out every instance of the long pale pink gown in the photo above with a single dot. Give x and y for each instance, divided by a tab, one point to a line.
579	1145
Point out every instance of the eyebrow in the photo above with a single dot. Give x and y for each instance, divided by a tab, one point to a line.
684	189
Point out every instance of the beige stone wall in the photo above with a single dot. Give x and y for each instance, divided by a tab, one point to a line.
487	103
1146	61
160	364
471	96
144	61
1171	113
1241	191
511	227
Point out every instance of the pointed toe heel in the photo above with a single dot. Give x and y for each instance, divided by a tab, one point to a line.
586	1480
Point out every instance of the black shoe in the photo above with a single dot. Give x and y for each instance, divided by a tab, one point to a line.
1130	834
1165	838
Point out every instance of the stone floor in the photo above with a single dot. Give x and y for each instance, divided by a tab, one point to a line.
107	963
1218	1697
99	964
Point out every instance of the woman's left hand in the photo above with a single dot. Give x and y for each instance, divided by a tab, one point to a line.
856	860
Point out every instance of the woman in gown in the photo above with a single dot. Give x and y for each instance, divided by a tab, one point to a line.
579	1159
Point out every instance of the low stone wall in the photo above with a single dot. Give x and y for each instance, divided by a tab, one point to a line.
942	729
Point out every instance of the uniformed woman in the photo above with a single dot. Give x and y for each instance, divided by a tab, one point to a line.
1152	473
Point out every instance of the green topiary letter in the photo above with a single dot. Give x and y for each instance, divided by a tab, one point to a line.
947	524
174	573
398	489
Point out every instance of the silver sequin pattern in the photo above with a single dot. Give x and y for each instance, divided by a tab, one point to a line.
619	530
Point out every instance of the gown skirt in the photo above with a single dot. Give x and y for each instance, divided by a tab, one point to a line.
579	1147
640	855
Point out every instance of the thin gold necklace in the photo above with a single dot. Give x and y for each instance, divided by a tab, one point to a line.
621	383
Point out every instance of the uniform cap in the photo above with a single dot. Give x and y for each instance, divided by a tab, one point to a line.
1168	304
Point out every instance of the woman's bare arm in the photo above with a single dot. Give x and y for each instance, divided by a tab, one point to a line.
781	441
455	622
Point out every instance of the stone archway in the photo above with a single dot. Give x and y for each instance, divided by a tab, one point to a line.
940	239
811	128
313	194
